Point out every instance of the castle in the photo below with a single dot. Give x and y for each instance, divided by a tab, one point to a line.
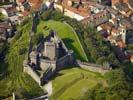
48	57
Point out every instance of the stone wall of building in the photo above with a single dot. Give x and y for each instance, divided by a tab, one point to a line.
47	75
65	61
45	64
40	79
32	73
92	67
68	12
58	7
43	97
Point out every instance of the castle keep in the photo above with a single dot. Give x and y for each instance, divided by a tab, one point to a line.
48	57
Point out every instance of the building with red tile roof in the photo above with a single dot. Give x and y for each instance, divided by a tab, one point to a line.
79	9
97	19
21	1
125	7
25	6
120	44
25	13
35	4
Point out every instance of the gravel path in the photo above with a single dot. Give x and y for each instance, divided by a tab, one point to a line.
48	87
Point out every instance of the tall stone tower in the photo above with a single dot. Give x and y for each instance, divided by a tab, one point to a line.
50	50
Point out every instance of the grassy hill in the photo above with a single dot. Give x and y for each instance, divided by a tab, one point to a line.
12	78
66	34
74	82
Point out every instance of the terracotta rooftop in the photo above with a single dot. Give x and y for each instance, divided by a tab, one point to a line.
114	30
126	23
21	1
80	11
115	21
112	11
107	26
83	9
100	14
25	13
35	4
131	3
121	44
123	6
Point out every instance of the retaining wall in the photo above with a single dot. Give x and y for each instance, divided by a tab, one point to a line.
92	67
45	64
65	61
32	73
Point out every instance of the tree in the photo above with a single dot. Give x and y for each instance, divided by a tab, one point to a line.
130	47
37	38
46	15
111	57
119	88
2	17
94	54
115	76
56	15
22	51
101	60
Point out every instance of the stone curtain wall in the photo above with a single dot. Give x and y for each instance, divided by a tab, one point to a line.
48	74
32	73
45	64
92	67
65	61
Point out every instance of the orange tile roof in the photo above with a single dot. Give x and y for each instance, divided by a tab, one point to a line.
129	13
114	30
21	1
100	14
121	44
114	20
110	37
126	9
25	13
35	4
81	11
106	26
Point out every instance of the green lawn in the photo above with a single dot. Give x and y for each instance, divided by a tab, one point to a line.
65	33
74	82
12	78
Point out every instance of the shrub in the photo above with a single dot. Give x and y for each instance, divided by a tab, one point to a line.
22	51
46	15
37	38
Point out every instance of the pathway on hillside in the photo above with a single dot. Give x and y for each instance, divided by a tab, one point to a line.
48	87
78	41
